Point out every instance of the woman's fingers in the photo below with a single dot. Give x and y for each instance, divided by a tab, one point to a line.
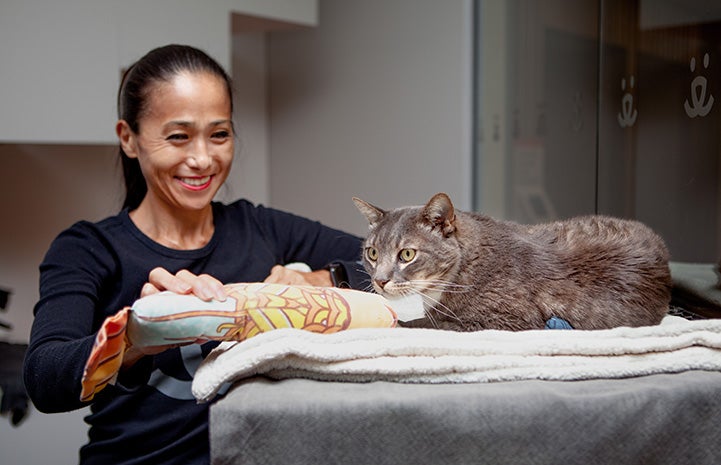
164	280
282	275
277	275
203	286
148	289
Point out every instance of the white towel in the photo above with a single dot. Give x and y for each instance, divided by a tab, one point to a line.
436	356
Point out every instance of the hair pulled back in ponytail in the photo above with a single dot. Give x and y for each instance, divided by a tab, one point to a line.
159	65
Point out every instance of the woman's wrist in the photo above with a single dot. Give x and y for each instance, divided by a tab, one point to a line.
319	278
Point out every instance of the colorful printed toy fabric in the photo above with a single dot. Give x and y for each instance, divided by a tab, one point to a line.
251	309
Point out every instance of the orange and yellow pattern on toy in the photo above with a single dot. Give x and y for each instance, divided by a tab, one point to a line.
251	309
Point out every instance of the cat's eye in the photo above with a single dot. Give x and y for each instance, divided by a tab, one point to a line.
372	253
407	255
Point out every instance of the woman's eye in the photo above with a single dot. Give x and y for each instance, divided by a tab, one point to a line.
407	255
372	254
177	137
221	135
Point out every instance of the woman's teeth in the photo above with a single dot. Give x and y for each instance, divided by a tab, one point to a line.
196	181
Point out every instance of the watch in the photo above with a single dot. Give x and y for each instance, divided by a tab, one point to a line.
338	275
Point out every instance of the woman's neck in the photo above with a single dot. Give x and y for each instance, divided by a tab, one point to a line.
180	230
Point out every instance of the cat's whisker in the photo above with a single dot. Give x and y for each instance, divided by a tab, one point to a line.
432	319
446	285
362	270
437	306
429	315
445	289
406	289
368	287
440	286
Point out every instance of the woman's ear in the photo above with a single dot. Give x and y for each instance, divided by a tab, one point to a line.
127	138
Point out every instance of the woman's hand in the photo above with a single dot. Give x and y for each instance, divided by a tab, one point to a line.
202	286
207	288
282	275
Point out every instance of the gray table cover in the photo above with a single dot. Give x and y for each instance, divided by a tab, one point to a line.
659	419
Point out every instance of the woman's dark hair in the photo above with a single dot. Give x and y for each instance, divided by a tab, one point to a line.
159	65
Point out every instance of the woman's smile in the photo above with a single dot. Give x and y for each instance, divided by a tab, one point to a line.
195	183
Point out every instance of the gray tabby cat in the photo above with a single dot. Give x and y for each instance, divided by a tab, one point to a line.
475	272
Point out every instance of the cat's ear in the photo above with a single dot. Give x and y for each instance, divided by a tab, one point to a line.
439	212
372	213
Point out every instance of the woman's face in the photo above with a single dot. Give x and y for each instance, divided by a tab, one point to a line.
184	142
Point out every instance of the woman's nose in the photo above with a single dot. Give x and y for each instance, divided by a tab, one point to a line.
199	158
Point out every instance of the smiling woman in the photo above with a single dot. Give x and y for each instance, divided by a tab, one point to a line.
176	139
184	149
155	82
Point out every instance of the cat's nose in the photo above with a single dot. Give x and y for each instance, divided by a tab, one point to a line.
382	283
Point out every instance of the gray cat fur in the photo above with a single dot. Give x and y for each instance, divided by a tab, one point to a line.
476	272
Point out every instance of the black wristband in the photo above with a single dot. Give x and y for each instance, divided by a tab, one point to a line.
338	275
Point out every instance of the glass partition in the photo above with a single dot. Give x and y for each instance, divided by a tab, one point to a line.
602	106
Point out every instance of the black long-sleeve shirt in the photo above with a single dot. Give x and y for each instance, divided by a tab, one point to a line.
92	270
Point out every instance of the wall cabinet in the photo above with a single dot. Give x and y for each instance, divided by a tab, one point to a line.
61	61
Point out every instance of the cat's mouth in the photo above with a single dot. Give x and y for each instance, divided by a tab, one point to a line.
391	289
394	290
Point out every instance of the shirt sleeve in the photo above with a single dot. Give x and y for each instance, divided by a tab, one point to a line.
66	318
298	239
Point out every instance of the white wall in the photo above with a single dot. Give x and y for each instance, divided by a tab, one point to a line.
48	188
375	102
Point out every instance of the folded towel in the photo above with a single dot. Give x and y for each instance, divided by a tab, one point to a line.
437	356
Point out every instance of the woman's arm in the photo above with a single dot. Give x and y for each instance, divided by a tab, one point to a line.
299	239
65	320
